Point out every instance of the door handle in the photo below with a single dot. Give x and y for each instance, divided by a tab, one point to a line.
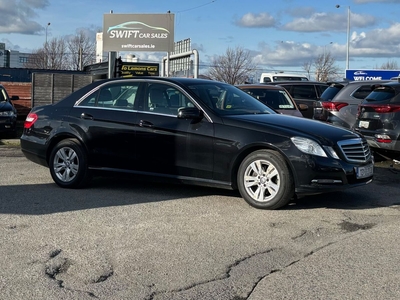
86	116
143	123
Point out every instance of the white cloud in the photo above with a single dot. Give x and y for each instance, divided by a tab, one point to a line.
261	20
18	16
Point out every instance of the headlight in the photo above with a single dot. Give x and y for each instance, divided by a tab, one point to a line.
308	146
7	113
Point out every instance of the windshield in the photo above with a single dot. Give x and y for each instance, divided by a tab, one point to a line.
3	96
225	99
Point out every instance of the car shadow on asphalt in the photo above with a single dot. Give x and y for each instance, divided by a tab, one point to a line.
48	198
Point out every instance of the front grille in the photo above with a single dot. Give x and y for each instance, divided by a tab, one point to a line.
355	150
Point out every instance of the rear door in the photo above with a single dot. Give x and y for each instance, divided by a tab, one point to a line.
106	119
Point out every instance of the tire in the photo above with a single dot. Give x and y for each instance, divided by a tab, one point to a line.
264	180
69	165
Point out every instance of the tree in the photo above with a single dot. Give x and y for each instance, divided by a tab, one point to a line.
65	53
234	67
52	56
325	69
389	65
82	50
307	67
57	55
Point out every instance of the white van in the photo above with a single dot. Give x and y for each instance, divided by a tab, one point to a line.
271	77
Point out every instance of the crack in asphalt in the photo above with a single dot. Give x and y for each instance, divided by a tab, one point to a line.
57	265
175	294
226	286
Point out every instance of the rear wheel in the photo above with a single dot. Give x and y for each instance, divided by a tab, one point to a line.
264	180
68	164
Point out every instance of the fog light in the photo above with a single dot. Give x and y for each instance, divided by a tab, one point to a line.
383	138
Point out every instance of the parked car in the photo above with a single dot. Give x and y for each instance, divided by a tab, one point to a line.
281	76
378	118
339	102
304	92
275	97
194	131
8	113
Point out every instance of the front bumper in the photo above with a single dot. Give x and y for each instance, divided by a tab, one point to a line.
316	175
8	124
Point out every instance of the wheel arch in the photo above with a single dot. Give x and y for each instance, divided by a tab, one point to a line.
60	137
243	154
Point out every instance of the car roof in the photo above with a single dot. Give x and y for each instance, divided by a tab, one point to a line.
394	84
179	80
303	82
260	86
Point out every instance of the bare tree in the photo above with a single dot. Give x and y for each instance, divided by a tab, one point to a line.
37	60
52	56
234	67
82	50
57	54
65	53
389	65
325	68
307	67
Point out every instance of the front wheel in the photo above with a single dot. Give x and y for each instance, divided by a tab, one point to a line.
264	180
68	164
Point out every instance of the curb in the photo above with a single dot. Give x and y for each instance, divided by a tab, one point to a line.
10	143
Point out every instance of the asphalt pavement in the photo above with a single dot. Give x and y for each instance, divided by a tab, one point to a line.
346	263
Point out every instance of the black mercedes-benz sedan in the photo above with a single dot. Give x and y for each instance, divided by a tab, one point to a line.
193	131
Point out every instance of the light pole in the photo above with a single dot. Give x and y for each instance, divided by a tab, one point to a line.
348	36
45	46
48	24
330	43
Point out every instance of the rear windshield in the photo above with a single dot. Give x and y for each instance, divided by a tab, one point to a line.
331	92
383	94
277	99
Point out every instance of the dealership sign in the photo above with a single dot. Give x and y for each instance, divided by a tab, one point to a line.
138	32
371	74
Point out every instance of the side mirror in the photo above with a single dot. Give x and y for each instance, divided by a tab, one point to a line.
302	107
14	98
190	113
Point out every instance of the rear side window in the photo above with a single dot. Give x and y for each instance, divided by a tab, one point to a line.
121	95
303	91
362	92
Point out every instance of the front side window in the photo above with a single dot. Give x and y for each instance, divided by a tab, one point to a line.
165	99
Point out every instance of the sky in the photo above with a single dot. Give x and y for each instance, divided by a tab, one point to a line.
279	35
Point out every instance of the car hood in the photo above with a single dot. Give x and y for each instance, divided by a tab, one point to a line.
292	126
5	106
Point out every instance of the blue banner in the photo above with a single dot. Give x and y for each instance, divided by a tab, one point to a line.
371	74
